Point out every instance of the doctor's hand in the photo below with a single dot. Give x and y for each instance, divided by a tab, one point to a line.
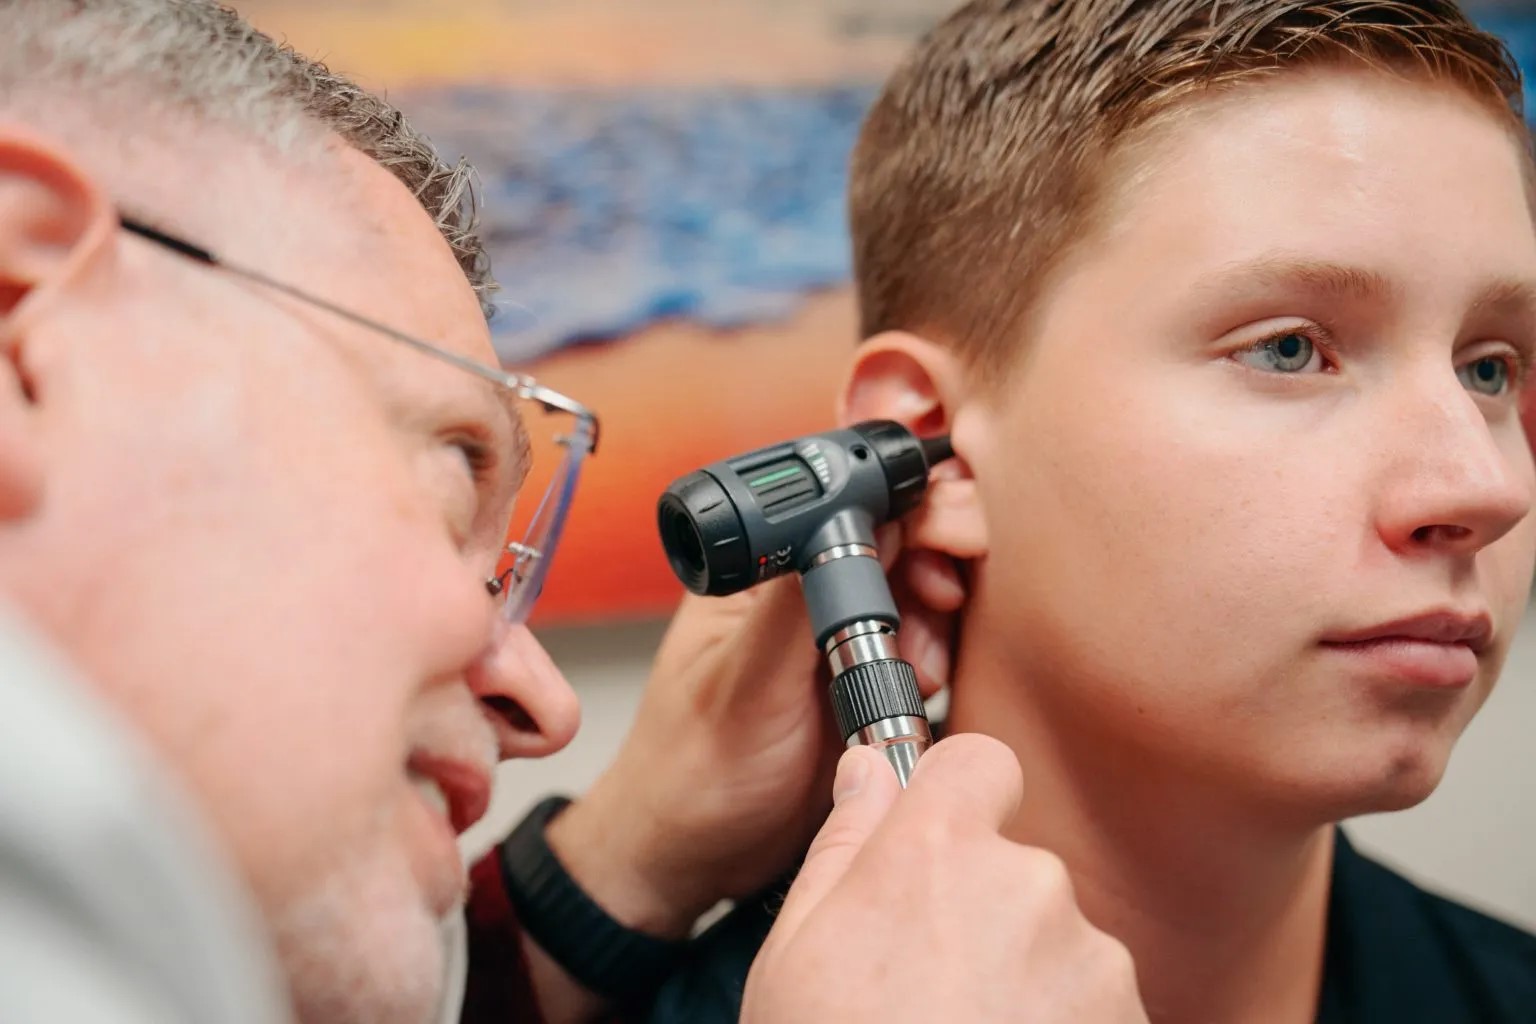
911	907
726	773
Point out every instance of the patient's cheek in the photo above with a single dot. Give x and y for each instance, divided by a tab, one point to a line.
1529	417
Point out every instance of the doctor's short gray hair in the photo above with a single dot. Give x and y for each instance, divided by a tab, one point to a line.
201	59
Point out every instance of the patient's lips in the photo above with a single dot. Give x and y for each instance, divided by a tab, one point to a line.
1437	649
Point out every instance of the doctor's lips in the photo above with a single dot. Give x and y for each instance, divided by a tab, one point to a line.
461	789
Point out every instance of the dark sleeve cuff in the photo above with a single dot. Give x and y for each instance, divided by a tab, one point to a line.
619	964
499	989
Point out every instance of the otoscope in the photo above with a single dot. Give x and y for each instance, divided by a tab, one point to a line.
811	506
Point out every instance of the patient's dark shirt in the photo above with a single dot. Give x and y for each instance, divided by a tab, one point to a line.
1395	955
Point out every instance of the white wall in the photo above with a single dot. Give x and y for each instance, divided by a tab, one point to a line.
1474	839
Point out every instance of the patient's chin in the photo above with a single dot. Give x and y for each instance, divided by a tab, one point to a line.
1393	784
1350	780
1411	785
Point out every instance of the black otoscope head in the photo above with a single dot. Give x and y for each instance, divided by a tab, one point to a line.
752	517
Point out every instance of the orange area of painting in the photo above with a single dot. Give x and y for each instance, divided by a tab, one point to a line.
672	399
577	43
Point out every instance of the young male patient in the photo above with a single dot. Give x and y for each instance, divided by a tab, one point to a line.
1228	308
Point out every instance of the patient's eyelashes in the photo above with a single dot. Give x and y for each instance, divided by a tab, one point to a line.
1299	351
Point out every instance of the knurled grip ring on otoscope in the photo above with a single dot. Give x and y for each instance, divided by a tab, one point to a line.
875	696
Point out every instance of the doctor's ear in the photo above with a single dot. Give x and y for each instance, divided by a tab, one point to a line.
53	222
923	386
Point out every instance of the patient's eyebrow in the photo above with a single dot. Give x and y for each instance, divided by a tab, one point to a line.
1336	280
1509	296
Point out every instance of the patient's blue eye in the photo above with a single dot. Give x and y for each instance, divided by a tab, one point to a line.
1289	353
1486	376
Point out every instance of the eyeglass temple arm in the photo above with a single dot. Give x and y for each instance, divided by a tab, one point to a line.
523	385
171	242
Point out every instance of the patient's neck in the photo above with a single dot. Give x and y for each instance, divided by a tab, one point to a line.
1224	912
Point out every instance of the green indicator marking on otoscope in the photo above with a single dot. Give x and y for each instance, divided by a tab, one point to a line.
771	477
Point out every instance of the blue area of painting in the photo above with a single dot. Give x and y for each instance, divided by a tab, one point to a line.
1519	32
605	212
609	211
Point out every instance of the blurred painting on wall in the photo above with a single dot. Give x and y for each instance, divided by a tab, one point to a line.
663	204
663	188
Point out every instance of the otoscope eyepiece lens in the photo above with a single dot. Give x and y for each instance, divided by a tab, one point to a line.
682	541
703	536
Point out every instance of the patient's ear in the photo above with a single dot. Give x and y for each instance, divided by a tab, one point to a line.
923	386
52	222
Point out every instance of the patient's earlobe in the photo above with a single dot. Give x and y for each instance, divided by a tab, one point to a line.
923	385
